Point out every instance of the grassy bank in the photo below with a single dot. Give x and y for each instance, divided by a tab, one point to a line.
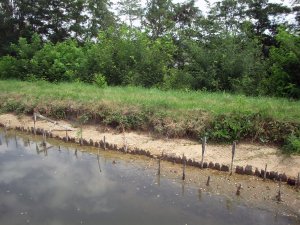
221	116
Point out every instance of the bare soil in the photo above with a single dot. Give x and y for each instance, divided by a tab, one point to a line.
246	153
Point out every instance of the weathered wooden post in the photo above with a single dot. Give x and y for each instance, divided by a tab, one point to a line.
44	139
104	143
67	137
278	196
238	191
298	182
75	152
0	141
183	169
203	150
208	181
34	121
158	171
265	172
81	140
232	157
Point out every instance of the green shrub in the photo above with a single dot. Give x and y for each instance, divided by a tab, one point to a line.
8	67
100	80
292	144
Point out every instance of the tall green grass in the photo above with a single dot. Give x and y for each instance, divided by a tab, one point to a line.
175	103
221	117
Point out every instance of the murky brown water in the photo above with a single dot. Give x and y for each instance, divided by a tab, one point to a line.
64	186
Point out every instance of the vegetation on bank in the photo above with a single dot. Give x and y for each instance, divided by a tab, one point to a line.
242	47
221	116
246	47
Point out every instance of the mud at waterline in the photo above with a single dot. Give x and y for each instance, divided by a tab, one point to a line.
255	193
246	153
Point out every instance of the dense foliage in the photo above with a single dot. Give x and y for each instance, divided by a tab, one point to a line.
239	46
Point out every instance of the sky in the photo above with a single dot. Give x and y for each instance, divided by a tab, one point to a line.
202	4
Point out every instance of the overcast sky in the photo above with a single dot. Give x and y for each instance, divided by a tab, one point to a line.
202	4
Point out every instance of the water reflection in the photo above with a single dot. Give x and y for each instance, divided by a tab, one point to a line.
47	185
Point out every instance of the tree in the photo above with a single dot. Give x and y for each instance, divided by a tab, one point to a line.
99	17
229	14
284	79
159	17
264	15
7	26
131	9
78	19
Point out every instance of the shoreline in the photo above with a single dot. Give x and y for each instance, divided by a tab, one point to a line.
254	193
250	159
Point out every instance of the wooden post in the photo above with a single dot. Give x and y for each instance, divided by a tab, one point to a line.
34	121
265	172
67	138
278	196
238	191
158	172
208	181
44	139
298	182
0	141
233	154
203	150
104	143
183	169
81	141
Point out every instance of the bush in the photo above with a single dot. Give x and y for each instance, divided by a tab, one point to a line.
100	80
284	79
178	79
292	144
8	67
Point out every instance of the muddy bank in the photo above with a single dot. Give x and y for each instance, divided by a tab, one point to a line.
246	153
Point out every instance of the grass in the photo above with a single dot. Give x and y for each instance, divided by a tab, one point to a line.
170	101
220	116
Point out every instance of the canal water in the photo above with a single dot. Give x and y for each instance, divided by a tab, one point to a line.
62	186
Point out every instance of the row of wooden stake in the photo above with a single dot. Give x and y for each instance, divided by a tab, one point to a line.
204	142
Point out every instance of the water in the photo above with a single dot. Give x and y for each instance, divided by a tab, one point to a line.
59	187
